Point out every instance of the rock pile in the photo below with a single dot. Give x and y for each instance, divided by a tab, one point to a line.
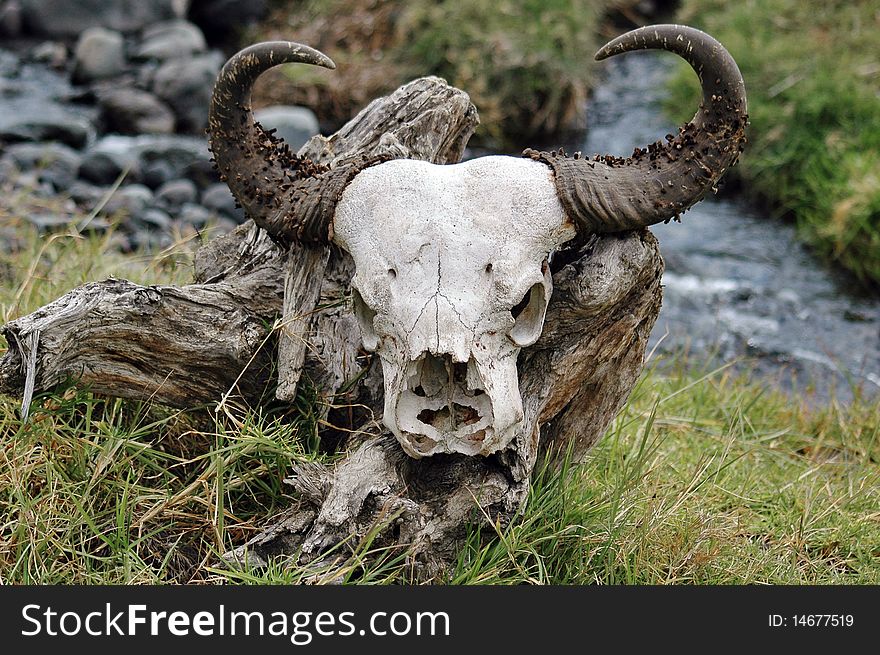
94	91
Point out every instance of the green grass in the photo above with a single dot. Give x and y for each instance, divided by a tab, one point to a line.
527	65
703	478
812	74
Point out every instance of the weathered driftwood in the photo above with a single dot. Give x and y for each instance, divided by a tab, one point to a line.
195	344
426	120
573	381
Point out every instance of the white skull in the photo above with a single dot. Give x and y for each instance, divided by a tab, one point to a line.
452	279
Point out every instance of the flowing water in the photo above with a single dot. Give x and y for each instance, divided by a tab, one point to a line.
738	284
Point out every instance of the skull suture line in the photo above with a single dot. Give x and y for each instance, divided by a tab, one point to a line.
452	279
451	275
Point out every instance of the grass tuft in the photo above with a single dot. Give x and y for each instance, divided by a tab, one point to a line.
719	482
527	66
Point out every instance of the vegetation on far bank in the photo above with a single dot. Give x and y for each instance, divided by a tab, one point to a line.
527	65
812	72
703	477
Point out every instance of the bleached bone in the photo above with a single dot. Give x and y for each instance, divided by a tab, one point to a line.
452	279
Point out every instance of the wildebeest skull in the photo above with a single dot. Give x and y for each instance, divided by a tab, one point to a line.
452	262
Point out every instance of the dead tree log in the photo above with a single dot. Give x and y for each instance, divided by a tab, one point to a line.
196	344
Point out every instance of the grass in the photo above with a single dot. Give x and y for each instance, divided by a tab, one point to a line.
704	480
704	477
812	74
527	65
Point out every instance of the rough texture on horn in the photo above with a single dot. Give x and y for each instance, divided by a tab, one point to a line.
612	194
290	197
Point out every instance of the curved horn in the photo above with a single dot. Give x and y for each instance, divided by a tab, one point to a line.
611	194
291	197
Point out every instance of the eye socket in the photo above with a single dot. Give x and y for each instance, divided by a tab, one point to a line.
521	305
528	316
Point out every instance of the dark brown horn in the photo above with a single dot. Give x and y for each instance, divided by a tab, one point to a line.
611	194
291	197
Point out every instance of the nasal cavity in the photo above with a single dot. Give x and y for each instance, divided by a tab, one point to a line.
444	420
439	372
454	372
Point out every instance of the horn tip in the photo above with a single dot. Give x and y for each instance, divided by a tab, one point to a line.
602	53
613	47
307	55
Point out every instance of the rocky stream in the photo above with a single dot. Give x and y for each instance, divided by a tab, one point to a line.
739	286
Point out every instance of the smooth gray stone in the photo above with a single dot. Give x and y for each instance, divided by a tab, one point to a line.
195	215
186	85
153	218
176	193
128	201
67	18
133	111
219	199
152	158
85	194
55	163
99	54
23	121
170	40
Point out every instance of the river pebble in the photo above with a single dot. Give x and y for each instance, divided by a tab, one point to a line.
134	111
99	54
171	40
176	193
